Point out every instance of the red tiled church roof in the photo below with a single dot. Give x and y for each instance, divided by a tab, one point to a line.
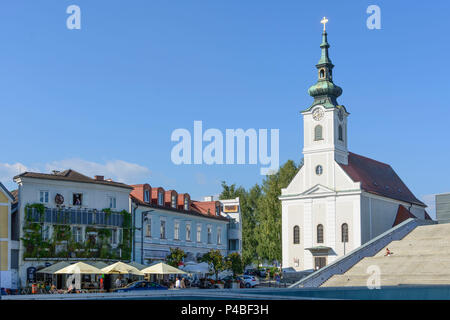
378	178
402	215
205	207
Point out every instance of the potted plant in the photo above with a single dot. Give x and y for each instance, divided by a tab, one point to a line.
220	284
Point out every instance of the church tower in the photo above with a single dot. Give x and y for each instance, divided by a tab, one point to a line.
325	122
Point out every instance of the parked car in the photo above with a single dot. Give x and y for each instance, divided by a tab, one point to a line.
228	282
141	285
249	281
251	272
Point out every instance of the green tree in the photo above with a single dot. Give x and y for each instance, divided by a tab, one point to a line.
175	256
234	263
215	259
268	229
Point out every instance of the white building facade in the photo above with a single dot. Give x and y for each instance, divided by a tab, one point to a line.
78	212
231	209
338	200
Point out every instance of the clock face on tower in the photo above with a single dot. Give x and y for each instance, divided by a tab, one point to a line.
317	114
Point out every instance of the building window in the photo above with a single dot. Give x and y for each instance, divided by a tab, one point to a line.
188	232
296	235
219	235
199	233
322	73
77	199
45	232
209	234
160	198
319	170
163	229
174	201
320	233
218	211
147	196
318	133
148	229
177	231
344	231
186	203
340	133
77	235
112	202
113	239
43	196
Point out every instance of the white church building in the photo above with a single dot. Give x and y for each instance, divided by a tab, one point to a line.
338	200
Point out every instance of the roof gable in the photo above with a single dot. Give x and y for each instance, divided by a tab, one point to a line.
6	192
378	178
71	175
402	215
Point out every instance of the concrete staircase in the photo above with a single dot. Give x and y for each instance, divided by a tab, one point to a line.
421	257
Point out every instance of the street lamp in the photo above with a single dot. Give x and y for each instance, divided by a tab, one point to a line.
143	213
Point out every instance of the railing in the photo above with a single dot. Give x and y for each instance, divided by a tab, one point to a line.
75	216
369	249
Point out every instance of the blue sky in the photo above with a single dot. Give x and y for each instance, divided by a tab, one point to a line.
105	99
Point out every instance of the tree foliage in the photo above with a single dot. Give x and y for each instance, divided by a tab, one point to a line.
234	263
175	257
261	214
215	259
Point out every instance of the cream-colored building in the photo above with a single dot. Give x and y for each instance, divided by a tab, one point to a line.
8	268
338	200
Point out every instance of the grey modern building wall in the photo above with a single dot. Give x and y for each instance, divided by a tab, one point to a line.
443	208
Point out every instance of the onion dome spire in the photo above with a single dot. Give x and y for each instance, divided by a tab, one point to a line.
325	92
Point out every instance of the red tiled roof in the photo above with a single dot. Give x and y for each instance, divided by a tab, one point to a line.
190	212
205	207
402	215
15	194
378	178
139	191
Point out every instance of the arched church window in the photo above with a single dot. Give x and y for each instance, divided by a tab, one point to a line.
296	235
318	133
344	231
340	133
320	233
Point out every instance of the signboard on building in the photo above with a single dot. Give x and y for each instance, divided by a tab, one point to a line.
230	208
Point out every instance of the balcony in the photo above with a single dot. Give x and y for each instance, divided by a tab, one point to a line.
233	231
76	216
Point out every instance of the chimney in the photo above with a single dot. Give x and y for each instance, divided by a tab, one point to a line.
208	198
99	178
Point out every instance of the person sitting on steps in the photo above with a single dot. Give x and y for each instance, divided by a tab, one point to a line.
388	252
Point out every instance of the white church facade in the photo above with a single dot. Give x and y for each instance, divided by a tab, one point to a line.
338	200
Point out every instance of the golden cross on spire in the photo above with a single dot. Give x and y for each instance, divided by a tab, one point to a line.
324	22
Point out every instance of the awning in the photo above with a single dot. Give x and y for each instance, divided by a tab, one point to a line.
319	249
54	267
156	254
162	268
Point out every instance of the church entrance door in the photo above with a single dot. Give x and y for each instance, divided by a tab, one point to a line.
319	262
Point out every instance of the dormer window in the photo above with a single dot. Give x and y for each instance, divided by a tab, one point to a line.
160	198
173	201
147	196
186	203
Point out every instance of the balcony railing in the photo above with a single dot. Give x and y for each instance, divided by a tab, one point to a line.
75	216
